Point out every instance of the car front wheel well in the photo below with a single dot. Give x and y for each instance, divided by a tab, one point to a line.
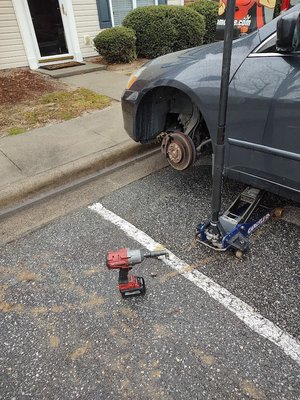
168	109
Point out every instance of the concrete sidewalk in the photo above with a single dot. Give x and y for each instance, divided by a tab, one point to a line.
111	84
56	154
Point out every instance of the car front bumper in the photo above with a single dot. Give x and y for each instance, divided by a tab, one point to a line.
129	101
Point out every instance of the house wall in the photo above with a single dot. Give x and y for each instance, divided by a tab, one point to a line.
87	24
12	52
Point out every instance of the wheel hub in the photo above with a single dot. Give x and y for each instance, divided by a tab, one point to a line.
179	150
175	152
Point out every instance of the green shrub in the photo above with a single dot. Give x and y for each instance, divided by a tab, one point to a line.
209	9
116	45
161	30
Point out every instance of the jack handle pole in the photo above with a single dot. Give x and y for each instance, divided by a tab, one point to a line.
220	146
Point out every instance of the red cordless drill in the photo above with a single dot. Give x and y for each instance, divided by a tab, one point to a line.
124	259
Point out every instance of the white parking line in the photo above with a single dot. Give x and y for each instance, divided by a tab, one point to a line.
242	310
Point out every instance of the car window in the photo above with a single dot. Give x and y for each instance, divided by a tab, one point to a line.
269	45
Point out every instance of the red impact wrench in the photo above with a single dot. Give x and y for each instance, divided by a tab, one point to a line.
124	259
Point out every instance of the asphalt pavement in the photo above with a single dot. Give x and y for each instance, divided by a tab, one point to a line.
68	334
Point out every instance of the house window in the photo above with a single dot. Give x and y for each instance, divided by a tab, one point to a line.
143	3
112	12
120	9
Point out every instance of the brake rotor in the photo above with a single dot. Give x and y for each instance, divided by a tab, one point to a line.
180	151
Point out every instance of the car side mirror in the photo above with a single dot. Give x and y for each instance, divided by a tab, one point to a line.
288	33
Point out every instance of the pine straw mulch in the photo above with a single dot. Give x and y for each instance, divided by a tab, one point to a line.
22	84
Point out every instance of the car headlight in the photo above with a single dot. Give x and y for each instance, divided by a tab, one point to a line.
134	77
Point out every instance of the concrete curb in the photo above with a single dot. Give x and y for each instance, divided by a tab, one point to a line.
64	174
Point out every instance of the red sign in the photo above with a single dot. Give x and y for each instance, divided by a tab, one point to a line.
249	15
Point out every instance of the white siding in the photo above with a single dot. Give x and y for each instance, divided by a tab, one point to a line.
87	24
12	52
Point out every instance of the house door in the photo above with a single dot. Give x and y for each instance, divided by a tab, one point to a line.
49	23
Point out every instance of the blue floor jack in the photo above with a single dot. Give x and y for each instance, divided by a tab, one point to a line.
232	229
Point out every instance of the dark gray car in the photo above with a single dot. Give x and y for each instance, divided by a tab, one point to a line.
174	100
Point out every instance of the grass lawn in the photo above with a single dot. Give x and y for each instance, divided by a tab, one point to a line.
29	100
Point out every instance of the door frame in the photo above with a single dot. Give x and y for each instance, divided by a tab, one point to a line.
30	41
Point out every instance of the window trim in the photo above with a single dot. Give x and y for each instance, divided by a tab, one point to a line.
263	44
